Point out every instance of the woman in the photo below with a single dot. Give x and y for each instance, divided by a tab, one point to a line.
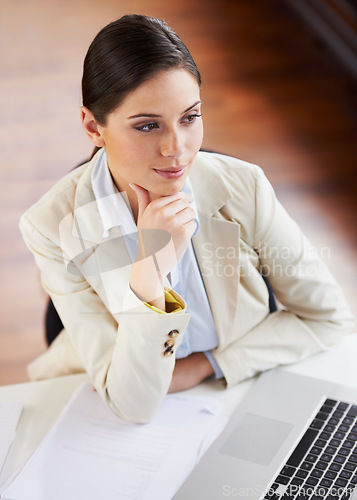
152	252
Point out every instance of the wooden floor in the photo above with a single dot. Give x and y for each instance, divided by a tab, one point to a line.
273	95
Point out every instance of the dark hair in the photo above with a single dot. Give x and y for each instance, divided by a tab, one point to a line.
125	54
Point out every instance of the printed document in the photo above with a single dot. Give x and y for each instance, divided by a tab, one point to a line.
10	413
90	453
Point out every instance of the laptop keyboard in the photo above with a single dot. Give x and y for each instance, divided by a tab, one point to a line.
323	465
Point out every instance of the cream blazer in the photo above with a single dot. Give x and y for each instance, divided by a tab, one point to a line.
119	341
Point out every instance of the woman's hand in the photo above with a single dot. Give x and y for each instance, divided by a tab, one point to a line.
168	213
165	227
190	371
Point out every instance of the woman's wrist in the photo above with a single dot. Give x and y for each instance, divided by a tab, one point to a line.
190	371
204	367
146	283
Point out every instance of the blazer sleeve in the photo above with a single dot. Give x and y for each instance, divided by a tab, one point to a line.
123	356
315	313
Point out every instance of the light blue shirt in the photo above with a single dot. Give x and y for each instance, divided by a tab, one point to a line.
185	279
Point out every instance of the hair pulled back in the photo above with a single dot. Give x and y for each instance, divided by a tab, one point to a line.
125	54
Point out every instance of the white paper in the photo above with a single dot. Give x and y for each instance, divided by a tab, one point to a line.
90	453
218	426
10	413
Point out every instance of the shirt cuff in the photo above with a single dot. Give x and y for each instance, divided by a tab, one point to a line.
217	371
171	304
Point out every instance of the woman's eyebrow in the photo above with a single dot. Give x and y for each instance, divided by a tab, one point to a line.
150	115
193	105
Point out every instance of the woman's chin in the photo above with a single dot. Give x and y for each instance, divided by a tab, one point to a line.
168	190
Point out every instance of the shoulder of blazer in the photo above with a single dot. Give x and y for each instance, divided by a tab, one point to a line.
70	192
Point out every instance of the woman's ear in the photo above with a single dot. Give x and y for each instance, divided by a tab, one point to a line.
92	128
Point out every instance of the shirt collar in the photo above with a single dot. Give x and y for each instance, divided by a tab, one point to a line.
113	206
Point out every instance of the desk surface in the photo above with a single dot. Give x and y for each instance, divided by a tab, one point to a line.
43	401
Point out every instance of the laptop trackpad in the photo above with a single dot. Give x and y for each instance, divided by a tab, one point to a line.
256	439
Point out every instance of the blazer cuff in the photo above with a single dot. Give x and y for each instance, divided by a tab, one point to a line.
172	304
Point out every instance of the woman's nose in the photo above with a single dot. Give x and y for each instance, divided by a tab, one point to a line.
172	145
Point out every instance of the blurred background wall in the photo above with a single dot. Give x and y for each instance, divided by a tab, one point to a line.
275	93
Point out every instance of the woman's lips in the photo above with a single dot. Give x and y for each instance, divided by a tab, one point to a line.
171	172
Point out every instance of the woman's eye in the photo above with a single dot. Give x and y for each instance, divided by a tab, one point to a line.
191	118
149	127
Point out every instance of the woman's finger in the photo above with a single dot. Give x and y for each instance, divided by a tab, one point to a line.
164	201
183	217
174	208
143	198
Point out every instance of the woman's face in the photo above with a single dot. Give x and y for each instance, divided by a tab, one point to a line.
153	136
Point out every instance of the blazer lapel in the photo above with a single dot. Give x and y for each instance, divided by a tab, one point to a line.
104	261
217	250
216	244
86	222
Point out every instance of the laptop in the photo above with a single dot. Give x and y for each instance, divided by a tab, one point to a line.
292	437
